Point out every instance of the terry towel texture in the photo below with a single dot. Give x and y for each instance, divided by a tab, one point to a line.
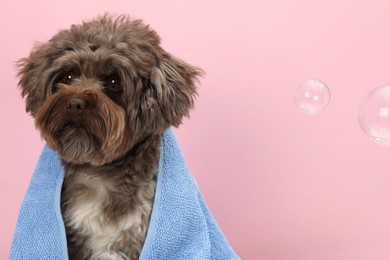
181	226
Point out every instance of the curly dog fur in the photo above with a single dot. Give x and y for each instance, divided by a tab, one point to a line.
102	93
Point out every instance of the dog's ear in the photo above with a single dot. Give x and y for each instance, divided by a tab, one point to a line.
174	83
33	76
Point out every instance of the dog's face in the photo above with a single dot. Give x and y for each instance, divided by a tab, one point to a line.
97	89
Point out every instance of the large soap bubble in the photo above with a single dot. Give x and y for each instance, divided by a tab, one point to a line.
374	115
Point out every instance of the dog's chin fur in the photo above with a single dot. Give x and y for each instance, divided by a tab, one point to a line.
102	93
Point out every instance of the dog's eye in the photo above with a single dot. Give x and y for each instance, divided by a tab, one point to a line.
113	83
66	78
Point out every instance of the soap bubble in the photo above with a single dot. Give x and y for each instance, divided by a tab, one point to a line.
312	96
110	255
374	115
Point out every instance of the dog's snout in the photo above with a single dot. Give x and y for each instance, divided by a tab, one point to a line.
75	106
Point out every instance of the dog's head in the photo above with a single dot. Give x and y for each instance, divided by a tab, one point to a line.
97	89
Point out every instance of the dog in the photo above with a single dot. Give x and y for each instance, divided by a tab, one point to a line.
102	93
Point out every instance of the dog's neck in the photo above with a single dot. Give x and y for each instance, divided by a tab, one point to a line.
105	197
124	175
145	145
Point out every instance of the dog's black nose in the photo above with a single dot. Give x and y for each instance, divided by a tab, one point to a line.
75	106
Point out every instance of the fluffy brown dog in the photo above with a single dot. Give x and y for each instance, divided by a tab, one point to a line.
102	94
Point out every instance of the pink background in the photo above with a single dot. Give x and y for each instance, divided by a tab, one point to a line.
282	185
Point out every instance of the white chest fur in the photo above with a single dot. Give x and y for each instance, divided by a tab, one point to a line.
85	213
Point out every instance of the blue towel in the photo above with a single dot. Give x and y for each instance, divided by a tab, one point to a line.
181	226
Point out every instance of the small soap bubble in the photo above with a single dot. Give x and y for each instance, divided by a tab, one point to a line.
312	96
374	115
110	255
